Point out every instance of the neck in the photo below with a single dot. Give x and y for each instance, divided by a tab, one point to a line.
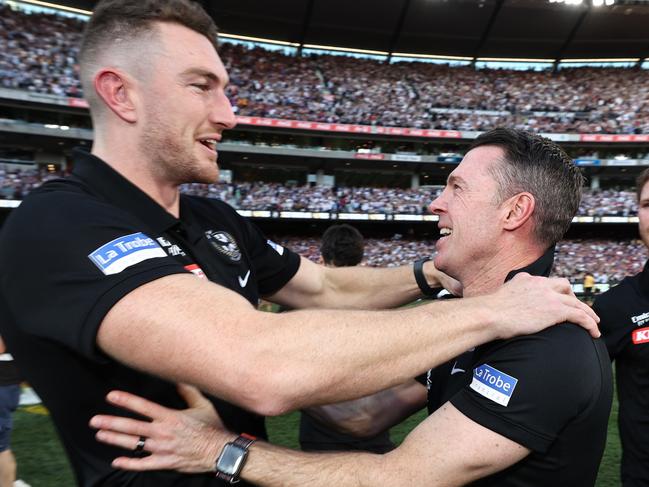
128	161
491	275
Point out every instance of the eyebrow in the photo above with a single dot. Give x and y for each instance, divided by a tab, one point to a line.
453	178
204	72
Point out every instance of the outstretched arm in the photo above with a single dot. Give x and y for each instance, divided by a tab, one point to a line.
447	449
273	363
317	286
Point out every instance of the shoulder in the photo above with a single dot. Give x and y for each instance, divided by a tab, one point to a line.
616	296
560	353
615	306
202	204
58	207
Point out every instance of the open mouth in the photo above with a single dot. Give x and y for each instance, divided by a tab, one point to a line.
209	144
445	232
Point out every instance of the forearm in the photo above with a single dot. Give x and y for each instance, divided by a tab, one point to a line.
272	466
321	357
357	287
371	287
371	415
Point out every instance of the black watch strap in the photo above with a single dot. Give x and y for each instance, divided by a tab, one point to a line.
418	269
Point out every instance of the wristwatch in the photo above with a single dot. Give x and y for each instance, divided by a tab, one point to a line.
232	458
418	269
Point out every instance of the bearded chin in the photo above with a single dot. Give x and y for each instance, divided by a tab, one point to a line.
172	162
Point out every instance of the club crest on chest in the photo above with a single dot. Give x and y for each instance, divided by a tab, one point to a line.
225	244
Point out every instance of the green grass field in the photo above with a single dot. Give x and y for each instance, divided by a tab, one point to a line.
42	463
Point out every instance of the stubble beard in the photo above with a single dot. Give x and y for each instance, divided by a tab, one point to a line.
171	160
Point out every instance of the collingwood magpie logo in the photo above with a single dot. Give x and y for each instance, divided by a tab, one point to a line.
225	244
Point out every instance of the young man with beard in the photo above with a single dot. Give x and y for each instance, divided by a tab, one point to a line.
528	411
625	327
113	279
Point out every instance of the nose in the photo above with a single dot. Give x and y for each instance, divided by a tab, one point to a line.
438	205
222	113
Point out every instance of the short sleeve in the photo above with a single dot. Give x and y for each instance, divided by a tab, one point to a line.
67	258
614	323
527	389
274	264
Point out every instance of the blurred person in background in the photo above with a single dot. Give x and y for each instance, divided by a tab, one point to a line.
624	311
10	380
353	425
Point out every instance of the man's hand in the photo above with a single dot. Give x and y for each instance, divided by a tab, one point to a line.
436	278
528	304
187	441
199	407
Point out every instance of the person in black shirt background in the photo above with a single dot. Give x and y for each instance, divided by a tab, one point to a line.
624	311
351	425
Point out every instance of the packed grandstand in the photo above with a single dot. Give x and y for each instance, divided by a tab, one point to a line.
38	53
608	260
15	184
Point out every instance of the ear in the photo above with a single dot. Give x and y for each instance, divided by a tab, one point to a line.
116	90
519	209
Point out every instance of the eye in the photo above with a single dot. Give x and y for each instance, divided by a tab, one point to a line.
201	86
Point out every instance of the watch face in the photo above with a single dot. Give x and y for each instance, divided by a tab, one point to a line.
231	459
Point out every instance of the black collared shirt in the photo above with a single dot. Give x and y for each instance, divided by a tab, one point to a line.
624	313
78	245
550	392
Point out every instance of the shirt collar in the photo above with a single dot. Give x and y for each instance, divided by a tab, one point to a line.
119	191
540	267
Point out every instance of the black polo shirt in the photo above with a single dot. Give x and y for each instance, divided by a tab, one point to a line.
624	313
550	392
73	249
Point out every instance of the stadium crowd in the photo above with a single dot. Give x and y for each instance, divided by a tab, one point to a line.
258	195
38	53
608	260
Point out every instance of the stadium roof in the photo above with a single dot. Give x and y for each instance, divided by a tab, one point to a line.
474	28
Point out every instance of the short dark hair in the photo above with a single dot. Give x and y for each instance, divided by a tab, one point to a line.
342	246
640	181
113	20
537	165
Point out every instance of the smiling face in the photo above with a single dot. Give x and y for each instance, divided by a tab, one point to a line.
469	215
184	106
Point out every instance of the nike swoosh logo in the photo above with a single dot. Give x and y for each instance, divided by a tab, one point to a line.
243	281
457	370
